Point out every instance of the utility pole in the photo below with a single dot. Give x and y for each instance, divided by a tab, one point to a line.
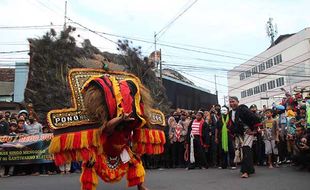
65	17
160	67
216	92
271	30
225	99
155	55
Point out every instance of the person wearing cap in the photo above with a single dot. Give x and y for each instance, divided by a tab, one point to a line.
23	112
23	115
245	124
196	142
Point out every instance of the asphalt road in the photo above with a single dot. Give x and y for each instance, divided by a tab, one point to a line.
285	178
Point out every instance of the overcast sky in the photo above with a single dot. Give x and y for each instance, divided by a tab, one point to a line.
221	26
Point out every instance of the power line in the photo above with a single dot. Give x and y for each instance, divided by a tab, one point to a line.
208	48
12	58
165	28
193	50
162	30
46	6
208	80
29	27
8	44
170	45
18	51
223	69
93	31
219	61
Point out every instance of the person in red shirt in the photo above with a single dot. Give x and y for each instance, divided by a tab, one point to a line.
197	141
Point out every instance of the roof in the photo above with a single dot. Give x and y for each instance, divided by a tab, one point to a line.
186	84
176	75
7	88
281	38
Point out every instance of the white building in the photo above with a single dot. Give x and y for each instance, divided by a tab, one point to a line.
286	65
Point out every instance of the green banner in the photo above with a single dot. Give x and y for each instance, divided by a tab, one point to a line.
25	149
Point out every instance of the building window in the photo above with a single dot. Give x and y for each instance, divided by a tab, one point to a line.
280	81
261	67
250	92
271	84
243	94
256	90
277	59
269	63
280	58
248	73
263	87
254	70
242	76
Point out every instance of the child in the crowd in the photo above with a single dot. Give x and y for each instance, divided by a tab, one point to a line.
289	112
13	128
291	130
282	123
20	126
271	136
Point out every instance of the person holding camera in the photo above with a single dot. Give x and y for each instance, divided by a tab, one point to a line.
301	149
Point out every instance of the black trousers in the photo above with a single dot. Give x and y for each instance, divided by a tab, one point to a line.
213	152
178	154
259	150
227	156
247	165
200	156
282	147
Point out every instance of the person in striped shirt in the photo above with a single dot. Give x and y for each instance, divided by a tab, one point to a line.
196	142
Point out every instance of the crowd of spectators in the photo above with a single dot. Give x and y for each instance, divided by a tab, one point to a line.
196	139
26	122
282	138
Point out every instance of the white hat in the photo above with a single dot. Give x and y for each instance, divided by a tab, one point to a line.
22	111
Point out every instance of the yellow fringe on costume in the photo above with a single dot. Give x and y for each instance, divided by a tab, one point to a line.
55	145
89	178
148	141
84	140
135	174
77	146
118	95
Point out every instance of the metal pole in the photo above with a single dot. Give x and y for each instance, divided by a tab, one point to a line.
215	85
155	56
160	67
65	18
